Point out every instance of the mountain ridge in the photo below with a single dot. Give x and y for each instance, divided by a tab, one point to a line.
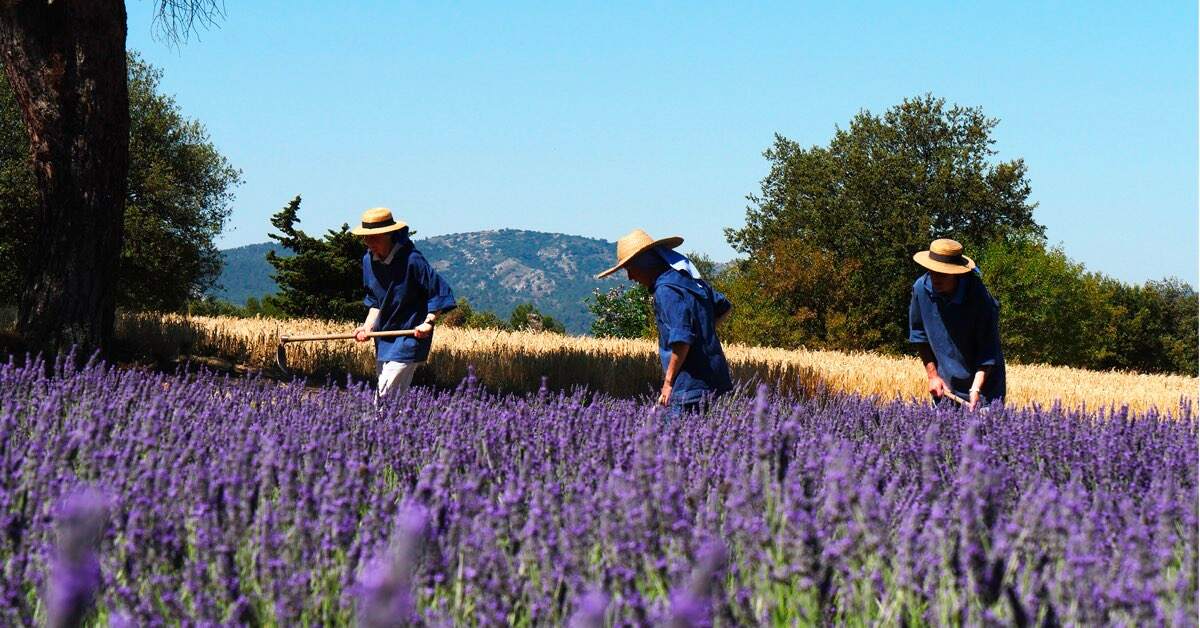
494	270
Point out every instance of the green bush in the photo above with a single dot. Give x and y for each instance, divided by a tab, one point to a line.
622	312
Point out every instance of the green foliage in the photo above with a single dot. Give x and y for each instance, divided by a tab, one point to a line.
622	312
465	315
254	307
180	191
1053	311
829	238
323	276
627	310
1150	327
180	195
704	264
526	317
1181	333
799	300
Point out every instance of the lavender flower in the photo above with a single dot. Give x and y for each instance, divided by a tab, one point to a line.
590	610
242	501
385	586
75	571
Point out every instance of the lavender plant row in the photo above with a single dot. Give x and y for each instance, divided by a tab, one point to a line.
224	501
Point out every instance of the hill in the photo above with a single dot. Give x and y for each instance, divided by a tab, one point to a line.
245	273
494	270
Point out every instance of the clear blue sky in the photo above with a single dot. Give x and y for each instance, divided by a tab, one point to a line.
592	119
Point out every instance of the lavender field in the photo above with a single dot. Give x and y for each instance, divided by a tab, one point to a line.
137	498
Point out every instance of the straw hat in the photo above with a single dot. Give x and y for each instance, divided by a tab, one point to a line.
945	256
635	242
378	220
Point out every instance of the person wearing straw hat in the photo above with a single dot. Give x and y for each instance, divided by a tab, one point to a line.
955	324
687	311
403	292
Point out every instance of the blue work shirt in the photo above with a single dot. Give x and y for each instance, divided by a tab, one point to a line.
405	290
686	310
963	330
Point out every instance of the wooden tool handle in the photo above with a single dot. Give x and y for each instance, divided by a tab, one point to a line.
956	399
370	334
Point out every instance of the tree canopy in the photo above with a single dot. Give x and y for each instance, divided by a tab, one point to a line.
828	239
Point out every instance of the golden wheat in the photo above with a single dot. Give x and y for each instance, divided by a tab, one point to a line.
518	362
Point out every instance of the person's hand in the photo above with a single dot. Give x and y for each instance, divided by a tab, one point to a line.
360	333
974	401
664	396
937	386
424	330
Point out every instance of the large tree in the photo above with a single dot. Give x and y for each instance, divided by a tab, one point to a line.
178	197
66	63
829	239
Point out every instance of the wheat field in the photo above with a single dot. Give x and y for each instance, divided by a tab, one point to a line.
518	362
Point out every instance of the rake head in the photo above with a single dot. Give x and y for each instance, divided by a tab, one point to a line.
281	356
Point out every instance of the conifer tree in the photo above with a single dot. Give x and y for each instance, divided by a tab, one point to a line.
323	277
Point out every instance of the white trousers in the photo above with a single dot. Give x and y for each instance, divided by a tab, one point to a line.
394	377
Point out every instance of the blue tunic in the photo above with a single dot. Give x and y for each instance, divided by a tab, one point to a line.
686	311
963	330
405	291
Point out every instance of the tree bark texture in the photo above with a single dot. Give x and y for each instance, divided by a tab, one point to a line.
66	62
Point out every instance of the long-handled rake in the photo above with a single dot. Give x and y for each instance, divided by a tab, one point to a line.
281	353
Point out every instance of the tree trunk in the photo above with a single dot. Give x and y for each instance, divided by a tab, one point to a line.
66	62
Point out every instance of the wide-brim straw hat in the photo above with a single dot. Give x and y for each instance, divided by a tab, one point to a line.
378	220
635	242
945	256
